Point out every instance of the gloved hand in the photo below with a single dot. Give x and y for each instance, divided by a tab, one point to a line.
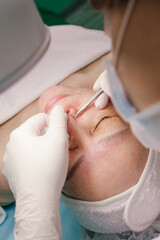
102	83
35	166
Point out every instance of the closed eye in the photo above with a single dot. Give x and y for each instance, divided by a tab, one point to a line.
106	117
74	148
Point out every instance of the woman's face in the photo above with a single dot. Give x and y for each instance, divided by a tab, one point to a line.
104	157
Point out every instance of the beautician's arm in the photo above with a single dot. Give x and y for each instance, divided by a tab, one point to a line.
35	166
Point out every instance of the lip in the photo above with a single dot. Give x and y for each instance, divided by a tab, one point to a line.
53	101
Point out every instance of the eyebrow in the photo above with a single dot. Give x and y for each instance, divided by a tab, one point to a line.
106	139
75	167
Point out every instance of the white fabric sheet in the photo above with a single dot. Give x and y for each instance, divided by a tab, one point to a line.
71	48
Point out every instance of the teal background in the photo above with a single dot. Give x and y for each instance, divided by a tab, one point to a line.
56	6
76	12
50	9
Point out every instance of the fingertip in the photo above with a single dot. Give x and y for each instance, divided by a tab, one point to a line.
98	104
58	118
101	78
57	108
96	86
101	101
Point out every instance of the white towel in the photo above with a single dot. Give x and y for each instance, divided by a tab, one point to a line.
71	48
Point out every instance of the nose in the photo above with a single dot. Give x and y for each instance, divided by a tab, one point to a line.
71	112
76	130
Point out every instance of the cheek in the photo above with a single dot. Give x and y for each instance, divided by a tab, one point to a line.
109	169
79	186
106	153
118	164
92	181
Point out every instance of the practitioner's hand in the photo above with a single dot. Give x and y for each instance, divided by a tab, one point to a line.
102	83
35	165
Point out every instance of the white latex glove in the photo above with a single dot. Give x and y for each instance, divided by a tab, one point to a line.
102	83
35	166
